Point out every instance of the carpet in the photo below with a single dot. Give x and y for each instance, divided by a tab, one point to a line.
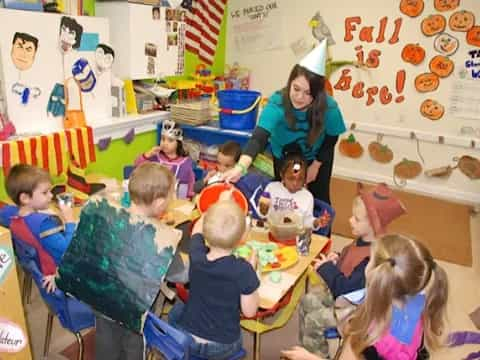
71	351
443	226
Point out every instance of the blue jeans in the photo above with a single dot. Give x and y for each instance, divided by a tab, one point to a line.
206	350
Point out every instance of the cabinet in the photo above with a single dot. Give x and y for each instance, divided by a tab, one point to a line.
139	41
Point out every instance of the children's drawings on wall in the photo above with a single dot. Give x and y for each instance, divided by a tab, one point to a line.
24	49
83	74
89	41
56	101
12	337
6	262
151	53
257	25
70	34
104	57
446	44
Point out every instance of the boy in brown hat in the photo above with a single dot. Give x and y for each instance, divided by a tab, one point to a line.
343	273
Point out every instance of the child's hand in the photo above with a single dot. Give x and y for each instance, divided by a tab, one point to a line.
253	259
299	353
319	262
333	257
154	150
209	176
48	282
67	213
226	195
323	220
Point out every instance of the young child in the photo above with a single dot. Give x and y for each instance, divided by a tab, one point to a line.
151	187
227	157
404	307
291	194
29	188
344	273
171	153
220	285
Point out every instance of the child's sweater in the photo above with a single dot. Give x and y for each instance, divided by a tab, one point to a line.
181	167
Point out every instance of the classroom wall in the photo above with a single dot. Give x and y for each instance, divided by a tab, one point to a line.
272	46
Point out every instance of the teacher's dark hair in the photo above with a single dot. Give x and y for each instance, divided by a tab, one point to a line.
316	110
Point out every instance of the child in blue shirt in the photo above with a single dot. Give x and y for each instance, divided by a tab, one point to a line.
29	188
220	285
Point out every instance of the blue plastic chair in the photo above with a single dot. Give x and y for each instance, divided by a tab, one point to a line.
72	314
319	207
239	355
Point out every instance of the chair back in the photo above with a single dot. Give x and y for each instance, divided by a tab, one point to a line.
319	207
172	343
73	314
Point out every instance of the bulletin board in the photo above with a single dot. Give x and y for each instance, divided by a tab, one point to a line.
50	66
406	82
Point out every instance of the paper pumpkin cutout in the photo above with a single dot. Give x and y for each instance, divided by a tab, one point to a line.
413	54
380	153
433	24
24	49
473	36
407	169
441	66
432	109
411	8
469	166
70	34
351	147
426	82
121	284
446	5
462	20
446	44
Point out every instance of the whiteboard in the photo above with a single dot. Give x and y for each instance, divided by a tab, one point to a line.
48	69
270	67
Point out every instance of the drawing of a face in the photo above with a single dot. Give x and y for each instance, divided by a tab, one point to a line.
70	34
104	56
432	109
461	20
84	75
445	44
24	48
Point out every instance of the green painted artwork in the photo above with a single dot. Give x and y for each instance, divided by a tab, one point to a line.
116	262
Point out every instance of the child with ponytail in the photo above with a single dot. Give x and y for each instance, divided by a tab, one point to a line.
404	309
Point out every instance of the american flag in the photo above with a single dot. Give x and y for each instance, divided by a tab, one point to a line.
203	27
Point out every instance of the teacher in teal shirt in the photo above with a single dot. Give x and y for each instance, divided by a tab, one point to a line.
299	118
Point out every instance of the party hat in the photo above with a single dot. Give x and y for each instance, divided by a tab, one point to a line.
316	59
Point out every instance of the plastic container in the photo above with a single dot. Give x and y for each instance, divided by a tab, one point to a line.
236	111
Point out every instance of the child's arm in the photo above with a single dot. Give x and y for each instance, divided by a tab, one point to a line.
249	298
338	283
249	303
55	238
147	156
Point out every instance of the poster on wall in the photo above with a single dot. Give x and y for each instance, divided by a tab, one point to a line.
257	25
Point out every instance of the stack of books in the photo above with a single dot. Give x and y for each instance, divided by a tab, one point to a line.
191	113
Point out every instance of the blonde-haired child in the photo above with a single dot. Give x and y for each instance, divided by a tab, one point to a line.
220	285
404	307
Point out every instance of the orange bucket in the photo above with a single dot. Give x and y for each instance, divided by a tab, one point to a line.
210	195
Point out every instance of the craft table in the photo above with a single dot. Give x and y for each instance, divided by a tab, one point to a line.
269	298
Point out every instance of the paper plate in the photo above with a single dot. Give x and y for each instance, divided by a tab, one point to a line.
287	256
211	193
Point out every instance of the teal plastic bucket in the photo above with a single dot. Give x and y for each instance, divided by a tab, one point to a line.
231	102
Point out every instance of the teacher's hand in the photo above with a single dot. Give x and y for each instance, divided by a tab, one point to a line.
312	171
232	175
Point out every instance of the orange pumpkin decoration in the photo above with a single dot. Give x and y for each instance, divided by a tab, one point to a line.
441	66
380	152
351	147
462	20
473	36
427	82
412	8
433	24
413	54
432	109
328	87
446	5
407	169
